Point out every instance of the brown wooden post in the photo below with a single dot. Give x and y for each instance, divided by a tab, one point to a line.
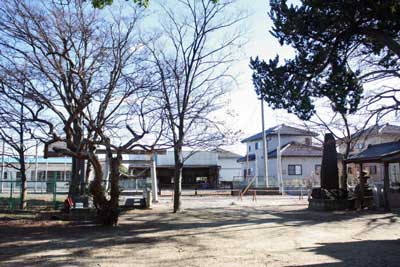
362	184
386	186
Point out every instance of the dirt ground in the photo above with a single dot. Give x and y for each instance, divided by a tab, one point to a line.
211	231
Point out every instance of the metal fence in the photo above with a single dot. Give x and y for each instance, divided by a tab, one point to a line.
52	194
39	195
296	187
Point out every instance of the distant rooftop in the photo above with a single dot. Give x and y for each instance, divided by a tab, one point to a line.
378	130
226	154
284	130
295	149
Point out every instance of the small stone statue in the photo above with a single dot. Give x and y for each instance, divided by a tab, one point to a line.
362	192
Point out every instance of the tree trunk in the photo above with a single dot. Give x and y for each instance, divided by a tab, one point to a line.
107	210
21	152
75	183
178	178
22	170
343	178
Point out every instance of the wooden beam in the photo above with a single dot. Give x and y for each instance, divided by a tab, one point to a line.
386	182
362	186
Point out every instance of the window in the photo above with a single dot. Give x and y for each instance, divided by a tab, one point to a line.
308	141
249	147
5	174
59	176
256	146
295	170
247	172
318	169
68	176
372	169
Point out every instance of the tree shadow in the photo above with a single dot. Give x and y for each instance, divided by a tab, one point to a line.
21	243
359	253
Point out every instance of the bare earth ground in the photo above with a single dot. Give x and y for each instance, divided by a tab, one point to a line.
212	231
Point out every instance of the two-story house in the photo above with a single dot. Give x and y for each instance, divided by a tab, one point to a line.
377	134
300	159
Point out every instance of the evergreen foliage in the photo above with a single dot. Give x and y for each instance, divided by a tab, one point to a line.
339	45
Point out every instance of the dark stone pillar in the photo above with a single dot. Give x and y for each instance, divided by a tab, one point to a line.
329	165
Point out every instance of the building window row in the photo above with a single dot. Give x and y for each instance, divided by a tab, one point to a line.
295	169
256	146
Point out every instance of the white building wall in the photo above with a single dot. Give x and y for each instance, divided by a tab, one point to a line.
202	158
230	169
32	183
308	168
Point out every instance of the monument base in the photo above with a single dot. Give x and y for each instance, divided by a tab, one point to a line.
330	204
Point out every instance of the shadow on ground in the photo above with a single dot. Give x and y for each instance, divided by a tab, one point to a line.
359	253
20	244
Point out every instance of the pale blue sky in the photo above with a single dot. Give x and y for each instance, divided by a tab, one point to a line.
244	99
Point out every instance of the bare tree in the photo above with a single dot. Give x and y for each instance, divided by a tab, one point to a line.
84	68
191	61
16	130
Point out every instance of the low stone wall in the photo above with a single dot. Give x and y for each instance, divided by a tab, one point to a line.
330	204
394	199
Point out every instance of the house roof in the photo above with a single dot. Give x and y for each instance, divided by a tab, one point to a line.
379	130
284	130
376	153
295	149
291	149
222	153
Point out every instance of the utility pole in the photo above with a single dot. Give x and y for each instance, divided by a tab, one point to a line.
256	170
36	165
265	148
279	161
2	167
